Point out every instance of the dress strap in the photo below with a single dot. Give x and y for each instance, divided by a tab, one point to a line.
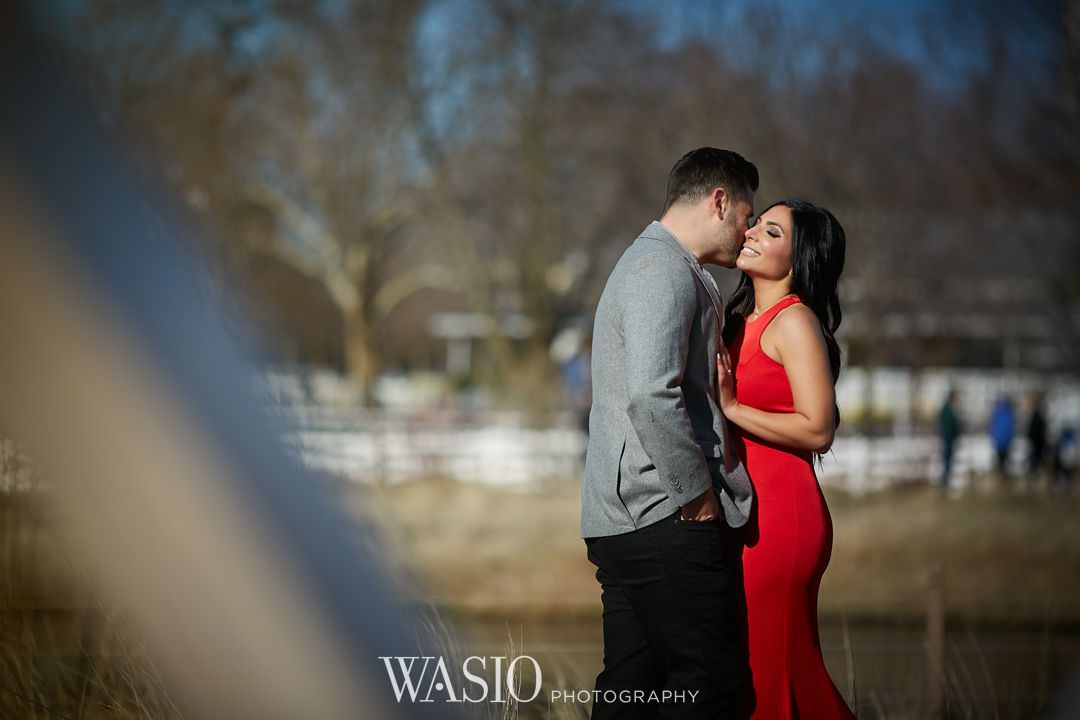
752	329
759	323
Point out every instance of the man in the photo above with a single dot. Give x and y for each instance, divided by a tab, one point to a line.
663	491
949	431
1036	435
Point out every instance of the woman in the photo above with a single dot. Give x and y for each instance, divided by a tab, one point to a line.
776	385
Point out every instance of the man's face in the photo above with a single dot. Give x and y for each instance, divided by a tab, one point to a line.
733	227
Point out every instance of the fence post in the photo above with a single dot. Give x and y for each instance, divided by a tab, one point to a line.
935	642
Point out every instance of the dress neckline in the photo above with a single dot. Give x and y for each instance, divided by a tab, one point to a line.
766	311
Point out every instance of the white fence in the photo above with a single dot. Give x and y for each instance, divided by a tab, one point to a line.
490	455
499	449
906	396
861	464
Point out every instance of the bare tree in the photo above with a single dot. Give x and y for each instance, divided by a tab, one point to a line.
286	124
509	149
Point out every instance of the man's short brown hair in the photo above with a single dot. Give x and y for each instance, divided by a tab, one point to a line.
699	171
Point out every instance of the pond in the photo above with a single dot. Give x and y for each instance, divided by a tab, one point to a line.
879	666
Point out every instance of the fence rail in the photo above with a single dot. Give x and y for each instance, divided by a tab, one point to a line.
501	449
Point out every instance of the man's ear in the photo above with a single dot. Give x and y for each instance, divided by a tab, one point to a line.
721	202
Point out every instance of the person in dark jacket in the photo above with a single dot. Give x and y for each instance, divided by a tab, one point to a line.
1066	459
949	432
1036	436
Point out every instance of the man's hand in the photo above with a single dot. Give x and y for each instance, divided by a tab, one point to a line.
703	508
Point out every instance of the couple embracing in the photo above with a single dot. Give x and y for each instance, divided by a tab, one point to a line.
700	505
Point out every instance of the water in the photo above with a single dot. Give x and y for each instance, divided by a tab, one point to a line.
879	667
999	673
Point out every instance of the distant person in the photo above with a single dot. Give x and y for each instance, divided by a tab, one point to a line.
1066	459
1036	437
949	432
1002	429
663	494
778	388
575	377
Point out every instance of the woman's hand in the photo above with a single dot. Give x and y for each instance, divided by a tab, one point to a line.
725	383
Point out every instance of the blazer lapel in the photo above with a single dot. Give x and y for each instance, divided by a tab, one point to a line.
714	293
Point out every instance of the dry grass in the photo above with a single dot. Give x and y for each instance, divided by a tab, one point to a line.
484	549
1006	557
62	654
507	553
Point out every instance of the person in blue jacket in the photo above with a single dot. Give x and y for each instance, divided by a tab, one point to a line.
1002	428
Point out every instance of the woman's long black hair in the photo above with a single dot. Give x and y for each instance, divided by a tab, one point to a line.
817	259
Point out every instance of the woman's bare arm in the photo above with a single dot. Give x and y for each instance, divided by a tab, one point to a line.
796	339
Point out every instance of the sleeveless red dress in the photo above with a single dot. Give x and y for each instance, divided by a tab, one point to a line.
788	543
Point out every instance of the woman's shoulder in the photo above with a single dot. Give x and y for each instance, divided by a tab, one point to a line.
797	313
796	324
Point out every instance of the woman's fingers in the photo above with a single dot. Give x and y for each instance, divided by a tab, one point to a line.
725	359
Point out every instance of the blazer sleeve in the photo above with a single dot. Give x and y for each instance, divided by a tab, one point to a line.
659	309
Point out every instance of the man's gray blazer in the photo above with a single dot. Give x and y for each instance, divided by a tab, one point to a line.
656	434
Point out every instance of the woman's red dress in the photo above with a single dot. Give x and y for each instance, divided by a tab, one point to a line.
788	543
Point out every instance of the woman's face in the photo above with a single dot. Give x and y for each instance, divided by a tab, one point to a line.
766	250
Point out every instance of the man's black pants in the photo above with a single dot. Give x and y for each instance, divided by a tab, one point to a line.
674	619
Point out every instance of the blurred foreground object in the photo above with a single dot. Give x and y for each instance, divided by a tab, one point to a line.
126	389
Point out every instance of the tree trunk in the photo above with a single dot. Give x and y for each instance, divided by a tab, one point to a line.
361	361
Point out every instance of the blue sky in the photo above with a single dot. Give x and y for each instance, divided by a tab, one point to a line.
944	39
955	49
897	25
